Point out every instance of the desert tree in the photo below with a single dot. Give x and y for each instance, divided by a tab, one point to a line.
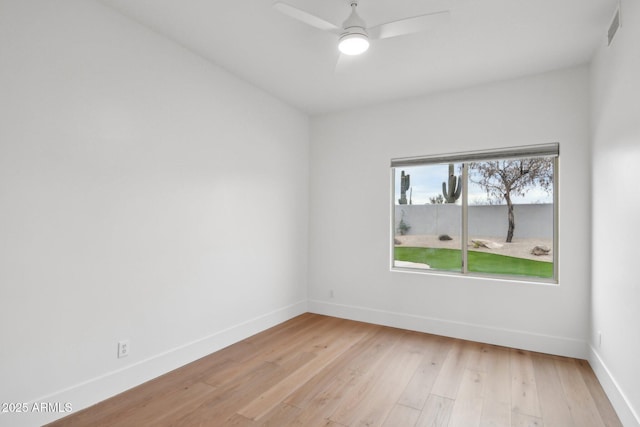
504	179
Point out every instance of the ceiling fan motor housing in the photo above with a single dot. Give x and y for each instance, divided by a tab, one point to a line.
354	38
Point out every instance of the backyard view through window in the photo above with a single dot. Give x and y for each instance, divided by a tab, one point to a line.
480	213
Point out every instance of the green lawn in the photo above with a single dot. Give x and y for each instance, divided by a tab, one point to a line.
479	262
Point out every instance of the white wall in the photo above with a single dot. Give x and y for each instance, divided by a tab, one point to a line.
616	209
350	253
144	194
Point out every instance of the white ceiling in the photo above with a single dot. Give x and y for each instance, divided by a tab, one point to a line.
483	41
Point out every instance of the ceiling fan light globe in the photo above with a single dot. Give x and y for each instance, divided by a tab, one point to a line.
353	44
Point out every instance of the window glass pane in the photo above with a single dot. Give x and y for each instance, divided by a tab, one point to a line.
428	217
510	217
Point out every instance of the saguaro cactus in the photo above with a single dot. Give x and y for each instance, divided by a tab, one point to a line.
455	186
405	182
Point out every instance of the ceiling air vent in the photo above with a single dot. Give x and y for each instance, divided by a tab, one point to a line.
613	28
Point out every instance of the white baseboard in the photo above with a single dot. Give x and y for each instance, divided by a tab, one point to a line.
622	405
97	389
560	346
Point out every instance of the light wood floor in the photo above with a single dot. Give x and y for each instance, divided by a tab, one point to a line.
321	371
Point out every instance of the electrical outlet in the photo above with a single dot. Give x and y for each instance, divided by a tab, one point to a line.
331	293
123	348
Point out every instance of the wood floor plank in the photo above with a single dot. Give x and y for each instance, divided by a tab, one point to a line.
495	414
553	403
496	407
290	329
274	350
436	412
276	394
257	346
602	402
480	355
360	380
523	420
449	377
327	392
583	408
364	384
281	415
352	363
467	409
524	393
402	415
498	385
225	402
319	409
395	372
156	412
237	420
233	395
320	371
419	388
318	338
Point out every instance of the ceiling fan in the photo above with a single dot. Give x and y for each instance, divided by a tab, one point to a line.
354	35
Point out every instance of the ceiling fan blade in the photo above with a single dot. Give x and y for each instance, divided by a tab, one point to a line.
406	26
305	17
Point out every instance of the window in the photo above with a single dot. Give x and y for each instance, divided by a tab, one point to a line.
483	213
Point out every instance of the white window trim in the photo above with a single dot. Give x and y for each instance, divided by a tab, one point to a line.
542	150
